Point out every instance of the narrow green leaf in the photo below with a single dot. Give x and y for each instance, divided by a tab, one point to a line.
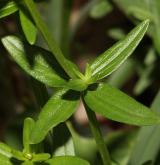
123	74
85	148
18	155
41	157
53	46
64	143
147	142
28	27
144	9
36	61
5	160
101	9
27	163
116	105
121	152
138	9
111	59
144	81
66	149
5	150
145	72
28	125
58	109
137	12
74	68
7	8
116	33
67	160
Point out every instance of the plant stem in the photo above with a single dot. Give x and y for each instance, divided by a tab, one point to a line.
53	46
98	136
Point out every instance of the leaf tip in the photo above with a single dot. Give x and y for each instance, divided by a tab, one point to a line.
146	23
3	40
34	139
6	39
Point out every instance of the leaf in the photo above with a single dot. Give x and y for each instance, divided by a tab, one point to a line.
116	33
18	155
116	105
147	142
5	160
124	140
28	125
144	9
28	27
74	68
150	57
140	14
144	81
64	143
5	150
36	61
145	73
58	109
86	148
67	160
77	84
100	9
27	163
56	21
139	9
123	74
7	8
111	59
65	149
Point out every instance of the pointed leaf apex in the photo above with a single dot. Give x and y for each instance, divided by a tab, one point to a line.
115	56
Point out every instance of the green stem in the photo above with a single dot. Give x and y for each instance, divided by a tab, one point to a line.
53	46
98	136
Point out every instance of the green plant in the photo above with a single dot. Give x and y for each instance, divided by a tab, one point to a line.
137	11
54	70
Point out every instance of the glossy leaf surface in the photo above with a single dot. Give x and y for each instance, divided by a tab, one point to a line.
18	155
5	150
116	105
7	8
77	84
100	9
28	27
67	160
110	60
36	61
5	160
58	109
122	74
27	163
